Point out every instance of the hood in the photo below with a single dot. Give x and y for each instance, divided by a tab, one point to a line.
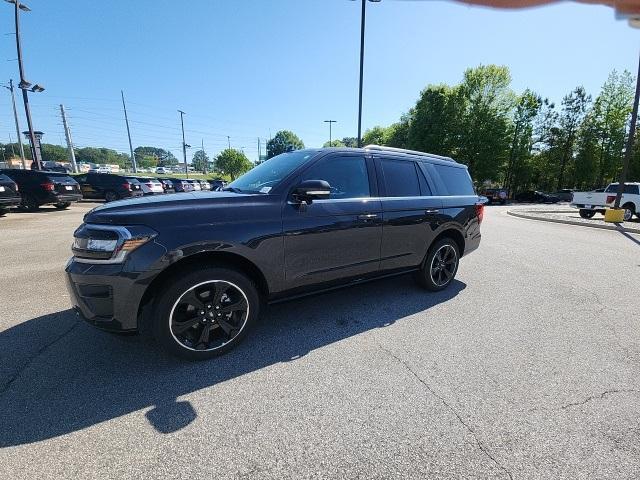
167	208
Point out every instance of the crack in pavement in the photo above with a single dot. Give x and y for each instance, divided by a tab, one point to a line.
598	397
468	427
39	352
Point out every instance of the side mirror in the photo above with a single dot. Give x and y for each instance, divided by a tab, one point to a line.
310	190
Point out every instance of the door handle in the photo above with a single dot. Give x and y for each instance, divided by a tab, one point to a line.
432	211
368	216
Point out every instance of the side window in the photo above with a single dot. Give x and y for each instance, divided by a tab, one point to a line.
400	178
455	179
347	176
612	189
424	185
631	189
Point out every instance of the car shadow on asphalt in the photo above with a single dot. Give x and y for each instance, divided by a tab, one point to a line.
627	235
59	375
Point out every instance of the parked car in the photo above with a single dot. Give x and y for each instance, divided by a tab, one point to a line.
39	188
565	195
196	184
301	222
181	185
534	196
204	185
167	185
150	186
9	194
101	169
217	184
590	203
108	186
495	195
55	167
163	170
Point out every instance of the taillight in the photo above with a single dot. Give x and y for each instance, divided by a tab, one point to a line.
126	186
611	198
48	186
480	212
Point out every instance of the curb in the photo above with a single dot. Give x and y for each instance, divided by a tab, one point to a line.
531	216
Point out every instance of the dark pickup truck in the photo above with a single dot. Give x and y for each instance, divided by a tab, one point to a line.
194	268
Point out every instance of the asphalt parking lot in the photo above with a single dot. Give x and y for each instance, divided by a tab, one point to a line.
527	367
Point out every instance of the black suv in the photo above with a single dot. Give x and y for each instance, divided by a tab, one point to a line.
39	188
108	186
9	194
194	269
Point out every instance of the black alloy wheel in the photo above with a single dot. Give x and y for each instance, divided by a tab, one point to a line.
440	265
111	196
207	313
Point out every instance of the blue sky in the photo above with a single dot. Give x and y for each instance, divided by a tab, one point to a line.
245	68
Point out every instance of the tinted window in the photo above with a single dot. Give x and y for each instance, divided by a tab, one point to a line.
628	189
60	178
456	180
347	176
400	178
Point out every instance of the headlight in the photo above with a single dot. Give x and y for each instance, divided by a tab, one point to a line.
108	244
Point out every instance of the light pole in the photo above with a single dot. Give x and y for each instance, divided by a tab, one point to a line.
330	122
15	117
629	150
184	144
362	24
24	85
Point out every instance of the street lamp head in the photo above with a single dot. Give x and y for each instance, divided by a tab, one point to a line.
37	88
24	85
21	6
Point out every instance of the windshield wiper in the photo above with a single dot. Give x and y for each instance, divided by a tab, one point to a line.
232	189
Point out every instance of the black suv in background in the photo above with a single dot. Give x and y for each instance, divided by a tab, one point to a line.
193	269
108	186
9	194
39	188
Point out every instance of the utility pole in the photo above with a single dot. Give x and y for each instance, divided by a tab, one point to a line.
229	141
15	118
362	24
629	150
204	157
184	144
126	120
330	122
67	134
259	151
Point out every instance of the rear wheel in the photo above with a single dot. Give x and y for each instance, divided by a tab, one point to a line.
587	213
441	265
206	313
62	205
629	211
111	196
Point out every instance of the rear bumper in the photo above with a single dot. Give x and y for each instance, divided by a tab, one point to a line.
65	198
9	201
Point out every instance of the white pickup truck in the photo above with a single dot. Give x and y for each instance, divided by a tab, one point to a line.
594	202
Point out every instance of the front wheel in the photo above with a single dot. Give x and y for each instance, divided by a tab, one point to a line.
111	196
206	313
629	211
62	205
440	266
587	213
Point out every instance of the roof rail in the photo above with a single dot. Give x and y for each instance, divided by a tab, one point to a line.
382	148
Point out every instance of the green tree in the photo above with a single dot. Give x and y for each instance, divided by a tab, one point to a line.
484	134
351	142
571	117
164	157
334	143
148	161
53	153
232	162
102	156
200	161
374	136
283	141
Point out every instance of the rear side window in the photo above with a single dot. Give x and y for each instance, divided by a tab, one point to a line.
456	180
400	178
631	189
60	178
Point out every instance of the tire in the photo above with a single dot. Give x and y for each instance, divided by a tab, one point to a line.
3	211
62	205
29	203
179	327
111	196
584	213
629	211
440	265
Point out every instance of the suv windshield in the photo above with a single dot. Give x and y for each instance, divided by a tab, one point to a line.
267	175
